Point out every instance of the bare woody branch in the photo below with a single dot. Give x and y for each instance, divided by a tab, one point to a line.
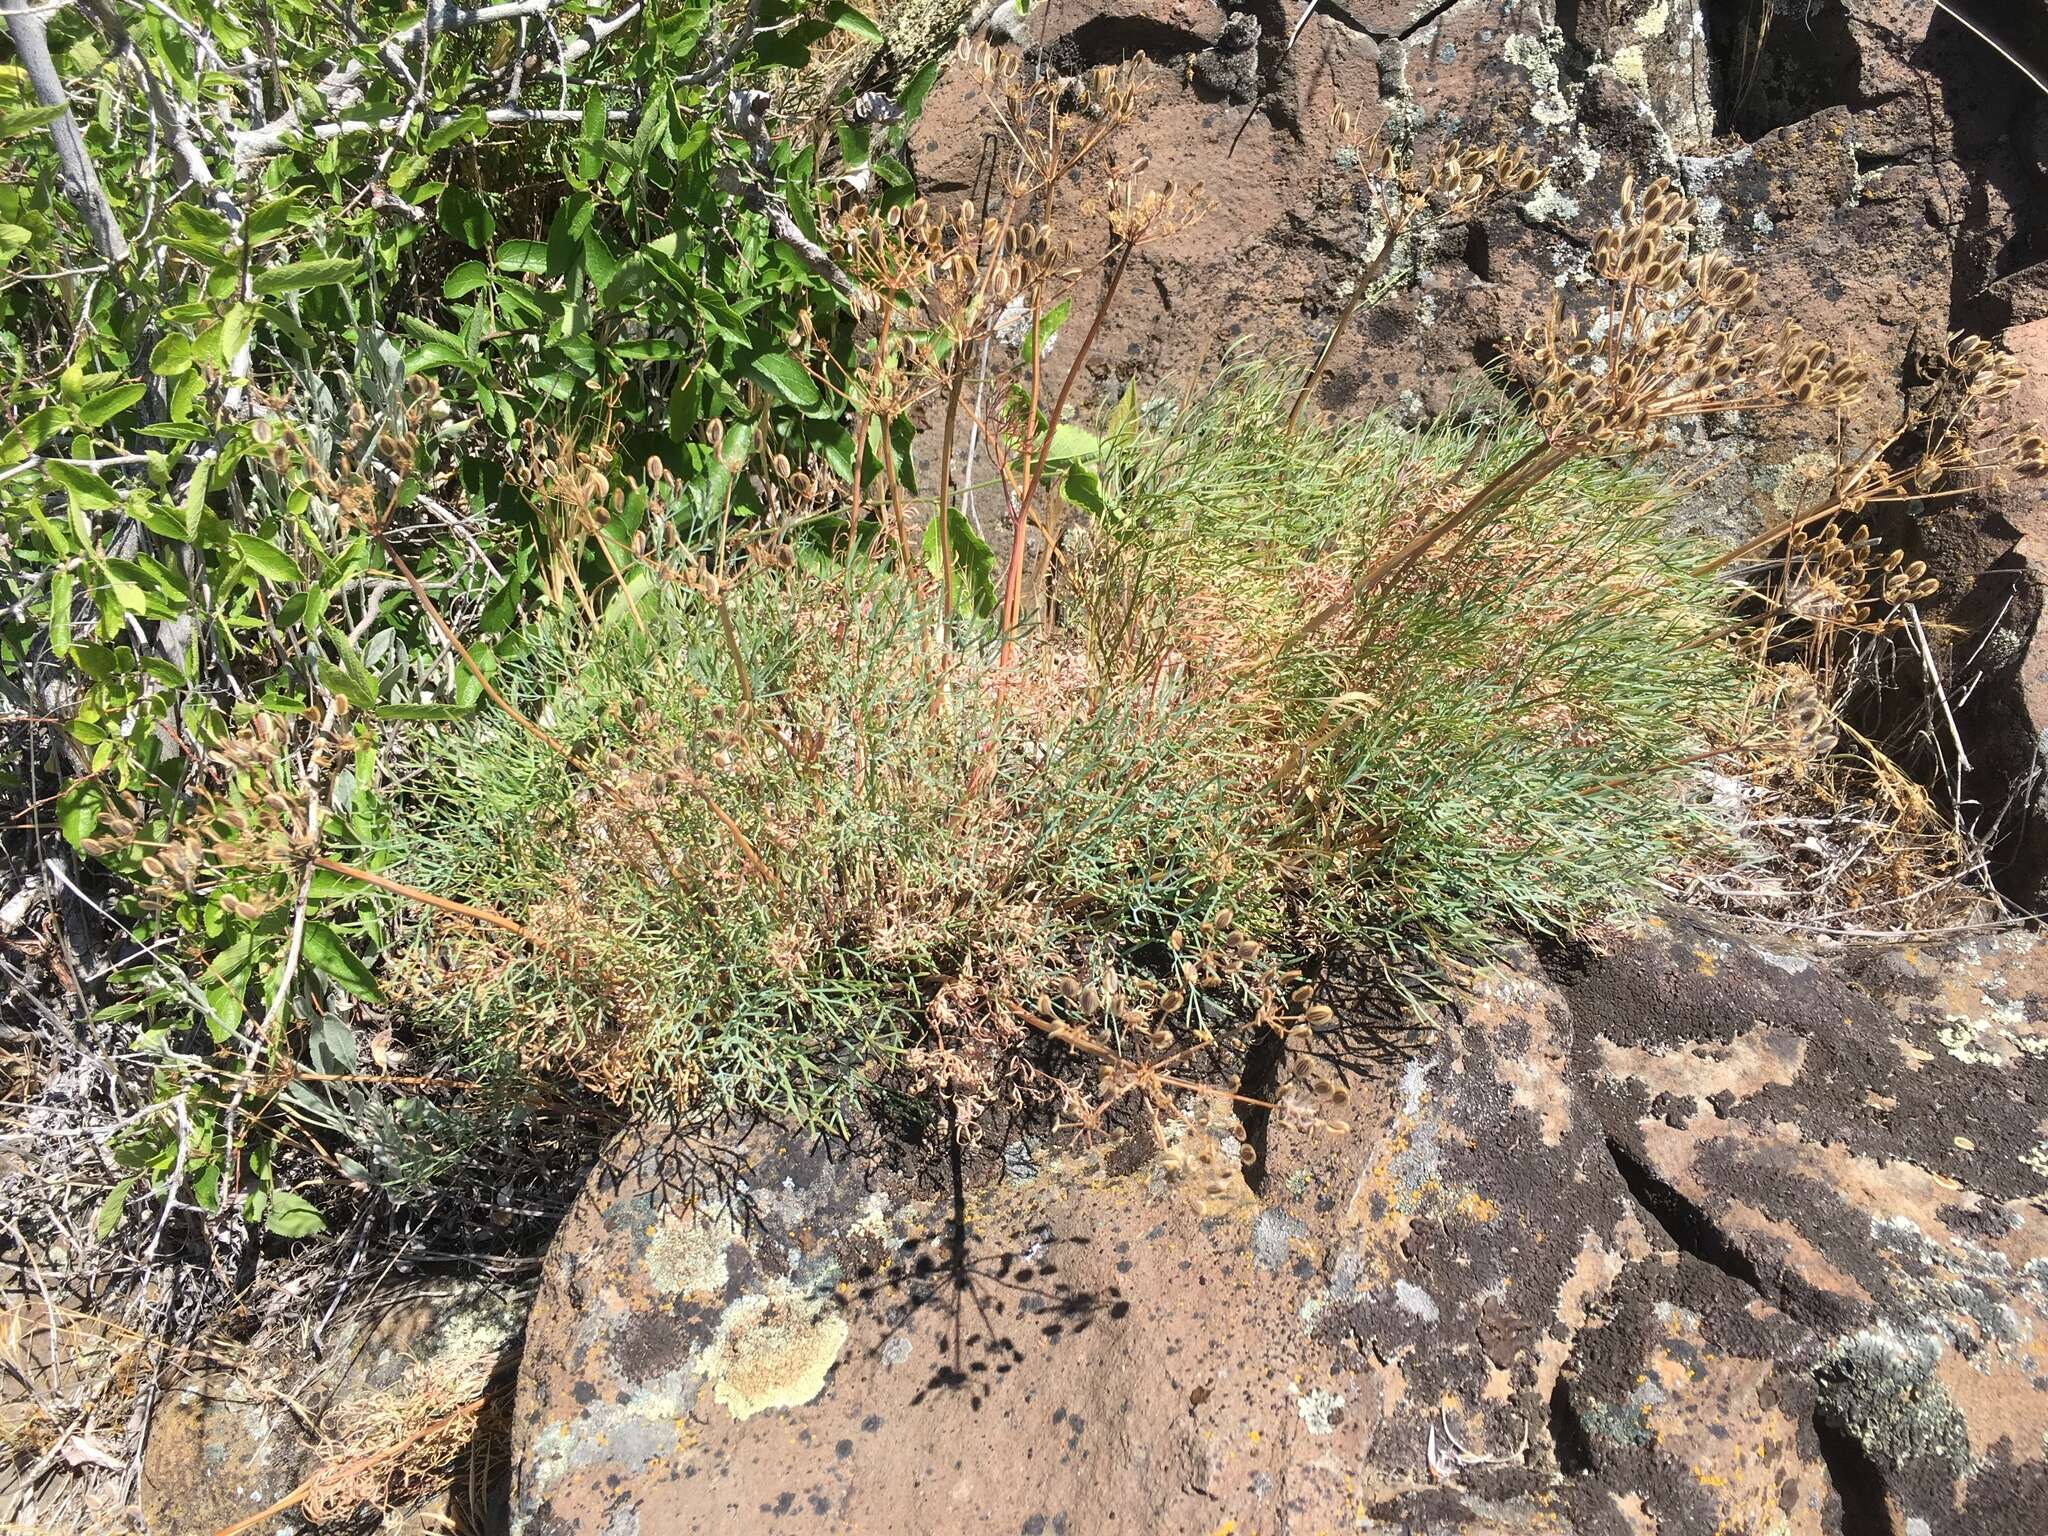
343	87
81	182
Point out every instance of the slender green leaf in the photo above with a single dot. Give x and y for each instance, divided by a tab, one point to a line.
266	558
296	276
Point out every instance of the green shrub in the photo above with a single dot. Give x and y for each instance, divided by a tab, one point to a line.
385	292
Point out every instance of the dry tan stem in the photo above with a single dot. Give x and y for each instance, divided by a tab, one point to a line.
348	1469
1359	293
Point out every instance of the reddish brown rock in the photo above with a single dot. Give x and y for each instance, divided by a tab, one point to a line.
1674	1236
1377	1323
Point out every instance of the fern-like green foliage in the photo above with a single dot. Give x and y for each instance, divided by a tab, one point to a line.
1488	735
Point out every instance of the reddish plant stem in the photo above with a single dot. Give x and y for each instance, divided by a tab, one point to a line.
1013	573
481	915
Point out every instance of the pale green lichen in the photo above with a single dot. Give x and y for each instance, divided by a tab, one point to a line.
1536	56
1320	1410
642	1428
1960	1037
687	1254
1878	1387
774	1348
1549	205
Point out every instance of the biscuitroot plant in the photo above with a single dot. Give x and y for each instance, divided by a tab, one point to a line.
801	833
1843	839
972	300
1409	207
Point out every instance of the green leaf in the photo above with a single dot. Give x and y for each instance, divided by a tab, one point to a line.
467	217
579	350
1046	327
295	276
565	234
521	256
109	1216
266	558
732	453
1083	487
199	223
339	681
78	812
171	356
973	562
103	407
235	329
29	435
184	393
599	261
86	489
28	120
435	354
62	586
1071	444
352	679
469	123
328	955
195	501
849	18
785	377
290	1215
911	98
273	219
465	280
854	141
1124	418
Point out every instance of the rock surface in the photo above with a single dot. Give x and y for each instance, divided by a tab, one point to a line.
1677	1234
232	1439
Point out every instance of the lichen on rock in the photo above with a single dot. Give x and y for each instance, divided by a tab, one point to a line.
1878	1387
